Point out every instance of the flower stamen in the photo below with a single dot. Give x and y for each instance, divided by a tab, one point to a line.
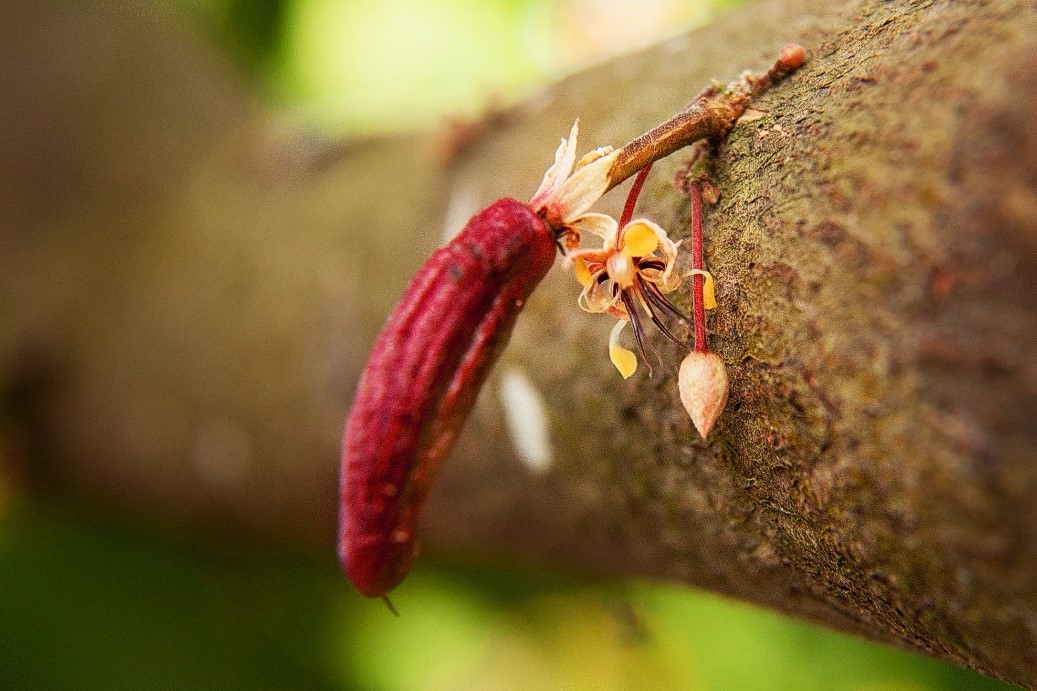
659	300
650	301
635	323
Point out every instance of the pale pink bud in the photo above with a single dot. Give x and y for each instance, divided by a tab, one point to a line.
703	386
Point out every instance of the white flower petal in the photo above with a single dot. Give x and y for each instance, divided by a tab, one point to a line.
565	158
584	187
602	225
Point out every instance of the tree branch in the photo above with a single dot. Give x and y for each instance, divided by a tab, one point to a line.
189	352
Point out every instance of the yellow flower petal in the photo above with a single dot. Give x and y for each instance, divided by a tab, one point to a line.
709	295
624	360
583	274
639	240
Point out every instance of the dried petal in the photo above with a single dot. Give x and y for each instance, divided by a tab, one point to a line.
624	360
703	385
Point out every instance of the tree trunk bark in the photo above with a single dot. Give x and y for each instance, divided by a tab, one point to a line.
190	289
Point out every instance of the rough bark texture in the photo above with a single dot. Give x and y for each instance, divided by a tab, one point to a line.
190	290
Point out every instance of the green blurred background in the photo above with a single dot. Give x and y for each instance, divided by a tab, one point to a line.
89	602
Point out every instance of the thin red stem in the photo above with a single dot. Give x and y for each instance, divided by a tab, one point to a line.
698	263
635	192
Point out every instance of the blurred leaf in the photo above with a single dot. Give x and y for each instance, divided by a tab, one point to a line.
742	647
372	64
93	605
251	31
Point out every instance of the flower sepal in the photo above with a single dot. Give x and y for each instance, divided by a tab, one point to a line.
571	187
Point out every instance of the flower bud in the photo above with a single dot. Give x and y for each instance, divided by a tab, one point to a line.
702	382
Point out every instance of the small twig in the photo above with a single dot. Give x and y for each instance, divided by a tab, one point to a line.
711	115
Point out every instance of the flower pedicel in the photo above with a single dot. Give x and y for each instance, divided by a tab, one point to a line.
702	377
455	317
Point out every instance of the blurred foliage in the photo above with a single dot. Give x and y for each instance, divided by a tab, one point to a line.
95	605
250	31
373	65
